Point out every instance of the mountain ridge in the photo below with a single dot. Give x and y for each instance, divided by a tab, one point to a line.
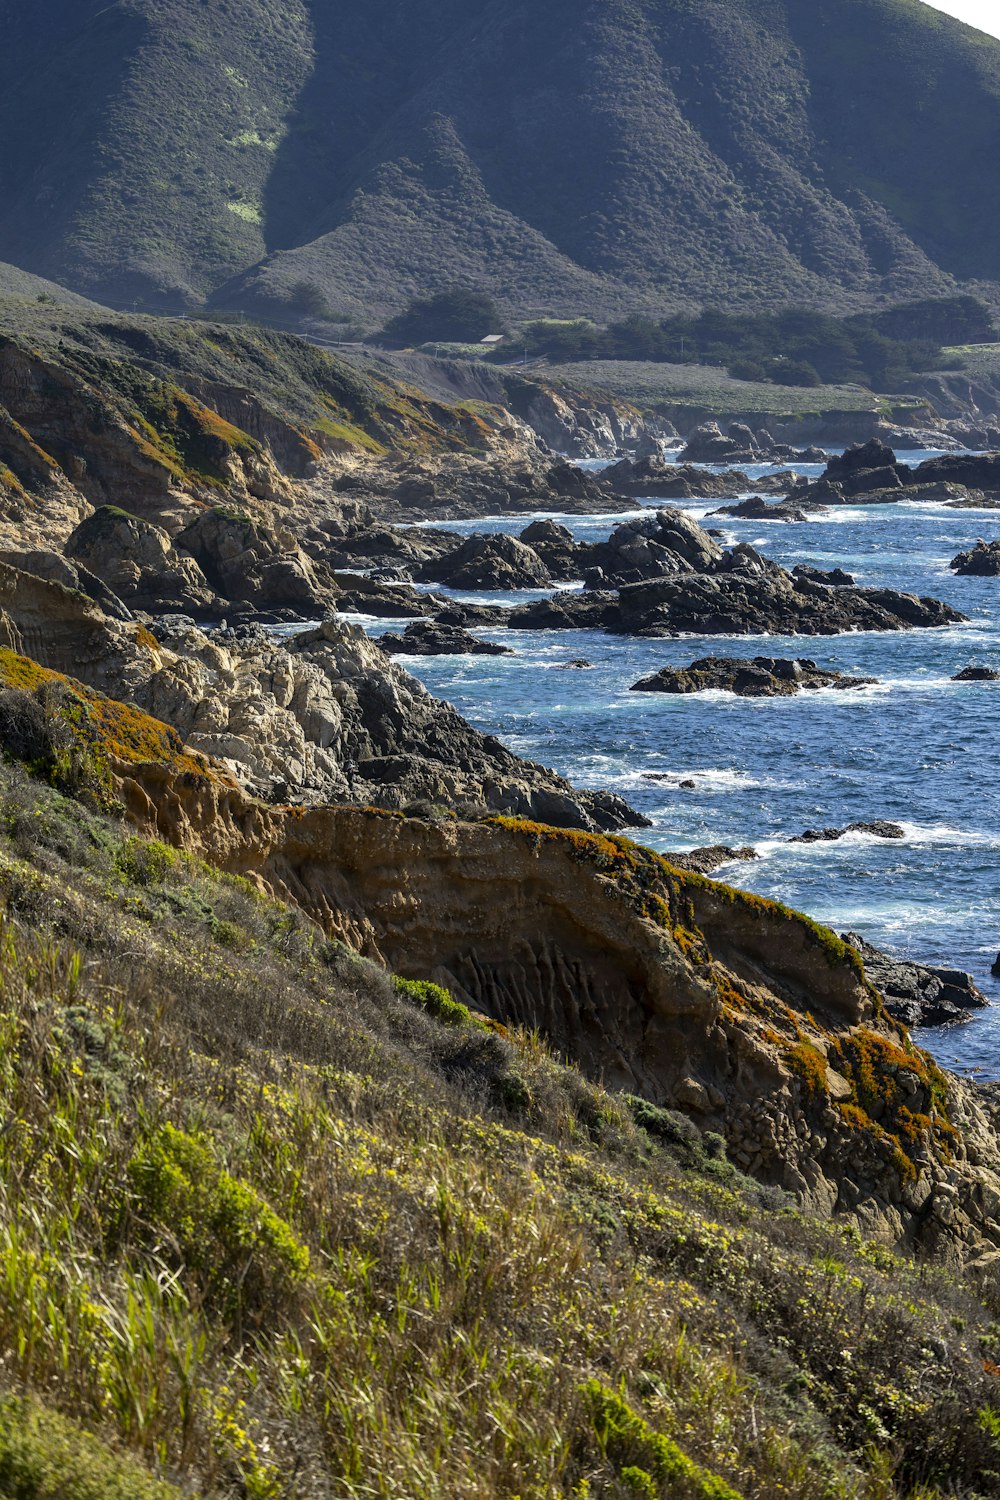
603	158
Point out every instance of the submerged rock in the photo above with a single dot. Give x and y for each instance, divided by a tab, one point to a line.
756	508
918	994
758	677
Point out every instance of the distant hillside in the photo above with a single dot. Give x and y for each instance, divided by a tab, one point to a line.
21	286
301	158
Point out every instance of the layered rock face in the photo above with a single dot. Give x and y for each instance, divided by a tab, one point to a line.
322	716
745	1015
737	1011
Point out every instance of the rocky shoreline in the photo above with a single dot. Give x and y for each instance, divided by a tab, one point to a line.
161	604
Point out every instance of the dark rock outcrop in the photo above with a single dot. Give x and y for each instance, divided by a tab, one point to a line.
833	577
756	508
977	674
918	994
707	444
714	857
652	479
982	561
861	458
426	638
761	677
879	830
753	597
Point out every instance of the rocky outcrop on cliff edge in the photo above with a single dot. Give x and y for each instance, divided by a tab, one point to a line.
321	716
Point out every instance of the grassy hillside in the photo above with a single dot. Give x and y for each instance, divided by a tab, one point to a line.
272	1224
150	403
307	159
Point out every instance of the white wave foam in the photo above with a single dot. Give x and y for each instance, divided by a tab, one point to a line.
940	835
705	778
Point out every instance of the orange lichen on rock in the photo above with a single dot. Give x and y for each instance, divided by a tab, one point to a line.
119	731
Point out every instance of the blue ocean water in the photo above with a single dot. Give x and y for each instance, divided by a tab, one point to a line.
918	749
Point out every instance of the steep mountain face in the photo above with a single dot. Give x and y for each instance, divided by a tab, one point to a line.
596	156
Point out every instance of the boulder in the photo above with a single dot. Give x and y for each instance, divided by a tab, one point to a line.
139	563
555	546
245	560
707	445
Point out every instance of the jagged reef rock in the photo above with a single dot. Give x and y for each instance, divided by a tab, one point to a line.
424	638
760	677
878	830
324	716
673	578
982	561
742	594
919	994
652	478
247	561
707	444
870	474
